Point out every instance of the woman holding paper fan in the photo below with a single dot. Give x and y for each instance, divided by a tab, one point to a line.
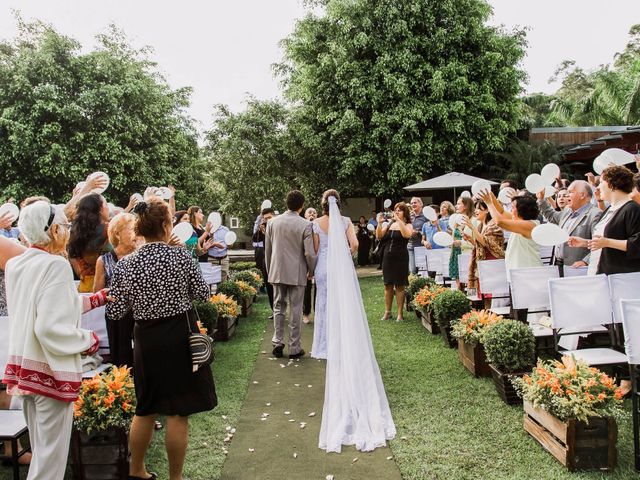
464	207
521	251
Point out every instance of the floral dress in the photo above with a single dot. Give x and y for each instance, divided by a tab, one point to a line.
455	251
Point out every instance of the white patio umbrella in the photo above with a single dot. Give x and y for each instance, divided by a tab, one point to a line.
453	180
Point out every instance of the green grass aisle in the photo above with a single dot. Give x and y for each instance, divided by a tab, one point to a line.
278	447
454	425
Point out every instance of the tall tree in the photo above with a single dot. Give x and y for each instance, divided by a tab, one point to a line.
393	91
66	113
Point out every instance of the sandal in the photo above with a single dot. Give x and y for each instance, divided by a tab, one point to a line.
400	319
387	316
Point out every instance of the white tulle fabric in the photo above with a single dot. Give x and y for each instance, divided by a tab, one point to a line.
356	410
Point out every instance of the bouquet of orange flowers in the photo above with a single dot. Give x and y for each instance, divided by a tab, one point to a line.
107	400
473	325
246	290
226	306
571	389
426	295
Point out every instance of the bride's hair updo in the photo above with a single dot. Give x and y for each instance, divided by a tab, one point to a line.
325	200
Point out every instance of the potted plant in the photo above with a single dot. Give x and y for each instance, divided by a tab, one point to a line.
238	266
227	309
208	314
447	307
469	330
423	301
252	277
102	415
510	347
416	283
247	292
571	410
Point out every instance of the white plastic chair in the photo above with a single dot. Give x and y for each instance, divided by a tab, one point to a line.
420	254
546	254
463	267
574	271
582	305
530	292
630	315
492	275
212	274
623	285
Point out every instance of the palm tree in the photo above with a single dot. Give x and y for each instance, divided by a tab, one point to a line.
522	159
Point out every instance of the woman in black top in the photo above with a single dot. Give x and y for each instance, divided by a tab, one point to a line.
395	263
364	242
158	284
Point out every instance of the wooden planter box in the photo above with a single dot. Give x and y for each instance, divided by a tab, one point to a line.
504	387
225	329
473	359
449	341
429	322
247	303
100	455
577	445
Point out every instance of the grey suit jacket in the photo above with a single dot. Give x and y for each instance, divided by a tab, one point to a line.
582	228
288	249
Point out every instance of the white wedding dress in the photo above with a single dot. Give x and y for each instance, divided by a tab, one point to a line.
356	410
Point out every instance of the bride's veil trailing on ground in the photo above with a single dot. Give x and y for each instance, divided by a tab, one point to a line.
356	410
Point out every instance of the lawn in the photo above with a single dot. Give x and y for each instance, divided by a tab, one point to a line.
450	425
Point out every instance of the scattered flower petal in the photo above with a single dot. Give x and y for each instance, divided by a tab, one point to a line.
255	382
312	414
354	460
329	477
295	455
389	458
233	430
252	449
268	404
309	386
296	384
287	412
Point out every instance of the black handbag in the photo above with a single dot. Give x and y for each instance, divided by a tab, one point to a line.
200	346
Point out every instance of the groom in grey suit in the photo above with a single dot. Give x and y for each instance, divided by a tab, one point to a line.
289	259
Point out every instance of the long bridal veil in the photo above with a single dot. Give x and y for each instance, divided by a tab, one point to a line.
356	410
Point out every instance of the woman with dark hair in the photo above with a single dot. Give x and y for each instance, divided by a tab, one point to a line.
364	241
395	264
320	243
521	251
487	240
464	206
196	217
88	238
158	284
615	242
180	216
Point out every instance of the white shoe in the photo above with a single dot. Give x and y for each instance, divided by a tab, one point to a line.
305	319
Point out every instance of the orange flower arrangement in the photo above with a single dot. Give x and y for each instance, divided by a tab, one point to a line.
246	290
473	325
571	389
426	295
226	306
105	401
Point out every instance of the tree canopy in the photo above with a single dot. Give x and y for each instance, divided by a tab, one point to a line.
66	113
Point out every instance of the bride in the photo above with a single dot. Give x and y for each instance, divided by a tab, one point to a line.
356	410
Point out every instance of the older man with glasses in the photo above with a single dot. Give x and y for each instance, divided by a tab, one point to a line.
417	221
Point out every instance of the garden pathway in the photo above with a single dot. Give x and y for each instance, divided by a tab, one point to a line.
278	448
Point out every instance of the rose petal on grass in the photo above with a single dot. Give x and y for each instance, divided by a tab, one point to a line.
312	414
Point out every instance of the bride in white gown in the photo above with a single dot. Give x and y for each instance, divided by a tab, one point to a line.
356	410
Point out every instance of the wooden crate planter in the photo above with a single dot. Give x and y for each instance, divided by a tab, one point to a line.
473	359
225	329
429	322
504	387
100	455
449	340
577	445
247	304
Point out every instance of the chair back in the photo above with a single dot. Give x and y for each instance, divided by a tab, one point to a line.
623	285
574	271
463	267
630	312
212	274
579	303
492	275
420	254
530	287
438	260
546	254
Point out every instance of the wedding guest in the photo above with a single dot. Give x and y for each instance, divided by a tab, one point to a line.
310	290
446	210
6	228
124	241
364	241
79	192
45	343
88	238
464	206
521	251
196	217
218	250
430	228
487	239
562	199
258	244
158	283
577	219
615	239
417	221
180	216
635	193
395	265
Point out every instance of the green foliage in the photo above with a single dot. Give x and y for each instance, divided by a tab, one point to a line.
248	276
388	92
510	345
67	113
450	305
230	289
522	159
208	315
237	266
417	283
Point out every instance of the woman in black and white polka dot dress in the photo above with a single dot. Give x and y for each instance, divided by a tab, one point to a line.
158	284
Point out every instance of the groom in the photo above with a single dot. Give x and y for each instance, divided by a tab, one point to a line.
289	258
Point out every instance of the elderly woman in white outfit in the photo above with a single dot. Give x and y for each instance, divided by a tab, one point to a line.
45	341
